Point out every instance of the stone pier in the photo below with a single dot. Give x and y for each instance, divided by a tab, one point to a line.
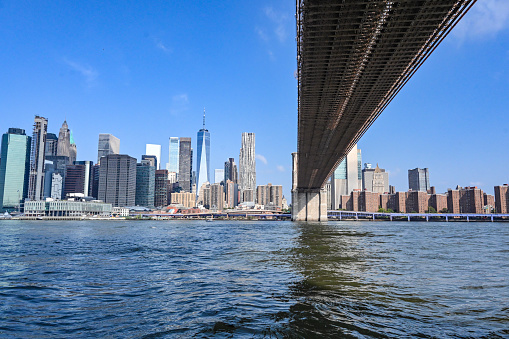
307	204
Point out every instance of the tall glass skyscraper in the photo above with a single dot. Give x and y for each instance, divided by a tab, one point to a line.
15	155
203	160
173	163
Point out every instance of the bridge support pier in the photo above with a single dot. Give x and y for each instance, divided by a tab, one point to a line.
307	204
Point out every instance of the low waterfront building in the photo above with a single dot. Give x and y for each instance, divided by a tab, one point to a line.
66	208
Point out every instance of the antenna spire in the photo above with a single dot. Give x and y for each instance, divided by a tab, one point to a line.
203	117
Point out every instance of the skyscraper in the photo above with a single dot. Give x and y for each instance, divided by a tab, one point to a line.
73	150
230	171
14	167
75	180
161	188
418	179
51	144
155	150
89	174
64	141
55	173
108	144
247	163
375	179
185	164
203	160
218	175
37	152
117	180
347	176
145	184
173	162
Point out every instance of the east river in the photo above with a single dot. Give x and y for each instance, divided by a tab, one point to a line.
180	279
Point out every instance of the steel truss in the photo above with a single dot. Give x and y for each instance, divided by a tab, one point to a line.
353	57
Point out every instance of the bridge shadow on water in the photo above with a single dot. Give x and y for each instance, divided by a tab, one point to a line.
356	283
333	296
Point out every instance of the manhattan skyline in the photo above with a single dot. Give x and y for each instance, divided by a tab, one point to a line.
143	75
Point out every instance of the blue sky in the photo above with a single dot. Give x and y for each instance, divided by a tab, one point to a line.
144	71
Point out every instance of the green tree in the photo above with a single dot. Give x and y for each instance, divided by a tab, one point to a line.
444	210
431	209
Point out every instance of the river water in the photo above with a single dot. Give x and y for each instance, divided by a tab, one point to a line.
180	279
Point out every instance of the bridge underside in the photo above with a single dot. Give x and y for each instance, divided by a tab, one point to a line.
353	57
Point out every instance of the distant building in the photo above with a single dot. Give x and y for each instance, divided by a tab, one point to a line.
465	200
161	188
186	199
247	166
38	148
269	195
14	168
51	144
418	179
219	176
145	185
203	155
75	180
232	194
64	143
73	151
216	197
151	160
185	164
89	173
66	208
95	181
347	177
154	150
375	180
117	180
55	173
108	144
174	155
501	198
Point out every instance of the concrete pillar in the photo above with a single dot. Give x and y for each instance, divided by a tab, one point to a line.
307	204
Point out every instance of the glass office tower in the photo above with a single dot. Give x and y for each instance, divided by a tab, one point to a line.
14	168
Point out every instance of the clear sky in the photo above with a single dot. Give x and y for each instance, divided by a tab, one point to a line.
144	71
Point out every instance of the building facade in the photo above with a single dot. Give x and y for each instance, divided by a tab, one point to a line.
502	199
145	185
185	164
203	155
218	175
174	155
375	179
347	177
108	144
161	188
51	144
37	153
247	166
418	179
14	168
117	180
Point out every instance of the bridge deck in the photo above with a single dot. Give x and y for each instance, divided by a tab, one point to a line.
353	57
